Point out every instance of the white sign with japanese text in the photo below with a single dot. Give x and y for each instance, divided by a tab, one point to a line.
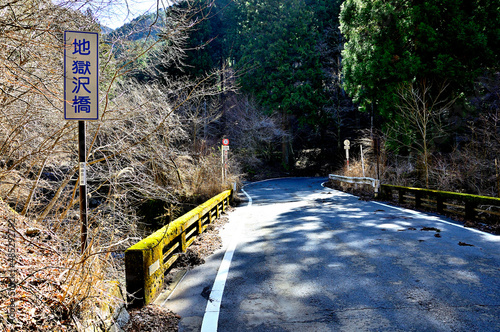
81	75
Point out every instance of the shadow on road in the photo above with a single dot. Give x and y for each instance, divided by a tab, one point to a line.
321	260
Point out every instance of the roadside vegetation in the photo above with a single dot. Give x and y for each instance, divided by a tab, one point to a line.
153	155
428	72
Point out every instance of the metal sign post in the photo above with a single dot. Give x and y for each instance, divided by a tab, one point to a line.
347	145
82	159
81	100
376	145
362	160
225	153
11	256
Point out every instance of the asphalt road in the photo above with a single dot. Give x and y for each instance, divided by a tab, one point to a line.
309	258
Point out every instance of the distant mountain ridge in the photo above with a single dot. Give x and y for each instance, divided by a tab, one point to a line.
149	24
106	30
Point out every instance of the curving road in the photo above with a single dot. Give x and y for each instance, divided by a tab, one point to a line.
307	258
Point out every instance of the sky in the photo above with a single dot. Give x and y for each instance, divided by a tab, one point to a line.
115	13
118	14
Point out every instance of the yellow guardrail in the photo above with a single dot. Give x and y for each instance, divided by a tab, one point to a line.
472	207
147	261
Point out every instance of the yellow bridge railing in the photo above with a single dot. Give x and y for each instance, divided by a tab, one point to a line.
147	261
472	207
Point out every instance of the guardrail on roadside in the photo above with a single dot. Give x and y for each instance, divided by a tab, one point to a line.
147	261
472	207
357	180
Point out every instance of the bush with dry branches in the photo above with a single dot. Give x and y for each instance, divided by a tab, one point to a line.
422	108
256	136
140	150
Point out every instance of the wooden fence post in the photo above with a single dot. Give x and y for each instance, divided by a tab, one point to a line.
418	199
470	212
439	204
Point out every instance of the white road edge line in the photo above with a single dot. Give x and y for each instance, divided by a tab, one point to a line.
248	196
439	219
211	317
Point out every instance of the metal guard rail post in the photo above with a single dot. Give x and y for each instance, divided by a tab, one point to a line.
357	180
147	261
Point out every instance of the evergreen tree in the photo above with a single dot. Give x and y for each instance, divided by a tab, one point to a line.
276	46
204	45
390	42
276	43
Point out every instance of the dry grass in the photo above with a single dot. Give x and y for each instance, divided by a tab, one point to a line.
56	288
141	149
202	177
355	169
152	319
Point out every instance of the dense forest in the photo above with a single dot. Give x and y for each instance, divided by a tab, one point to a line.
419	81
420	77
415	83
